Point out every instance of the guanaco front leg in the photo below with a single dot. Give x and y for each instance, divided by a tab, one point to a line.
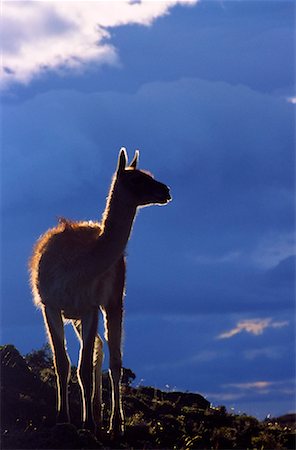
55	328
114	332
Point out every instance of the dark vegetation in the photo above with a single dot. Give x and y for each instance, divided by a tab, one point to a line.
154	419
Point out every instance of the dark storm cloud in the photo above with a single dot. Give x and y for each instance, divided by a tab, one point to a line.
197	289
207	136
225	151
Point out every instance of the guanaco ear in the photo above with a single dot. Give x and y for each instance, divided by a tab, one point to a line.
134	162
122	160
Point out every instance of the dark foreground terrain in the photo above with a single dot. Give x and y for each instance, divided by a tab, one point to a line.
154	419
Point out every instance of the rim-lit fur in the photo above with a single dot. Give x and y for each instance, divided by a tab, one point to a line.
78	268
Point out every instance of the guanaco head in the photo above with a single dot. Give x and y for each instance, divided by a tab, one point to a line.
140	185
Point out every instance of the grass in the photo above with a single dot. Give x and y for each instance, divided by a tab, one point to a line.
154	419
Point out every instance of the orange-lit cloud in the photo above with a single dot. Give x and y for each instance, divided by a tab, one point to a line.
238	391
253	326
41	36
252	385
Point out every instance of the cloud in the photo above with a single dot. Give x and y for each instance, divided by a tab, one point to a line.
253	326
223	396
252	391
251	385
266	352
42	36
59	159
241	390
282	386
180	117
267	253
282	275
273	249
292	100
224	258
201	357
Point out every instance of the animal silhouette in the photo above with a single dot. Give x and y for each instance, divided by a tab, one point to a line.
77	269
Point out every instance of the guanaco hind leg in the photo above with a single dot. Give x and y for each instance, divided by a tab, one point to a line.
97	370
89	324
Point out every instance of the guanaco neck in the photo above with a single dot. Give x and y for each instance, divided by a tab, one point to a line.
116	225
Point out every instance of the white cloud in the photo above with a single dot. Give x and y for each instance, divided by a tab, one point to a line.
46	35
292	100
252	326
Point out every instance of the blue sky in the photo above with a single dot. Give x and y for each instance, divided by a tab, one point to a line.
206	91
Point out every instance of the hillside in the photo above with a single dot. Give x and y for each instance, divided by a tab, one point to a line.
154	419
